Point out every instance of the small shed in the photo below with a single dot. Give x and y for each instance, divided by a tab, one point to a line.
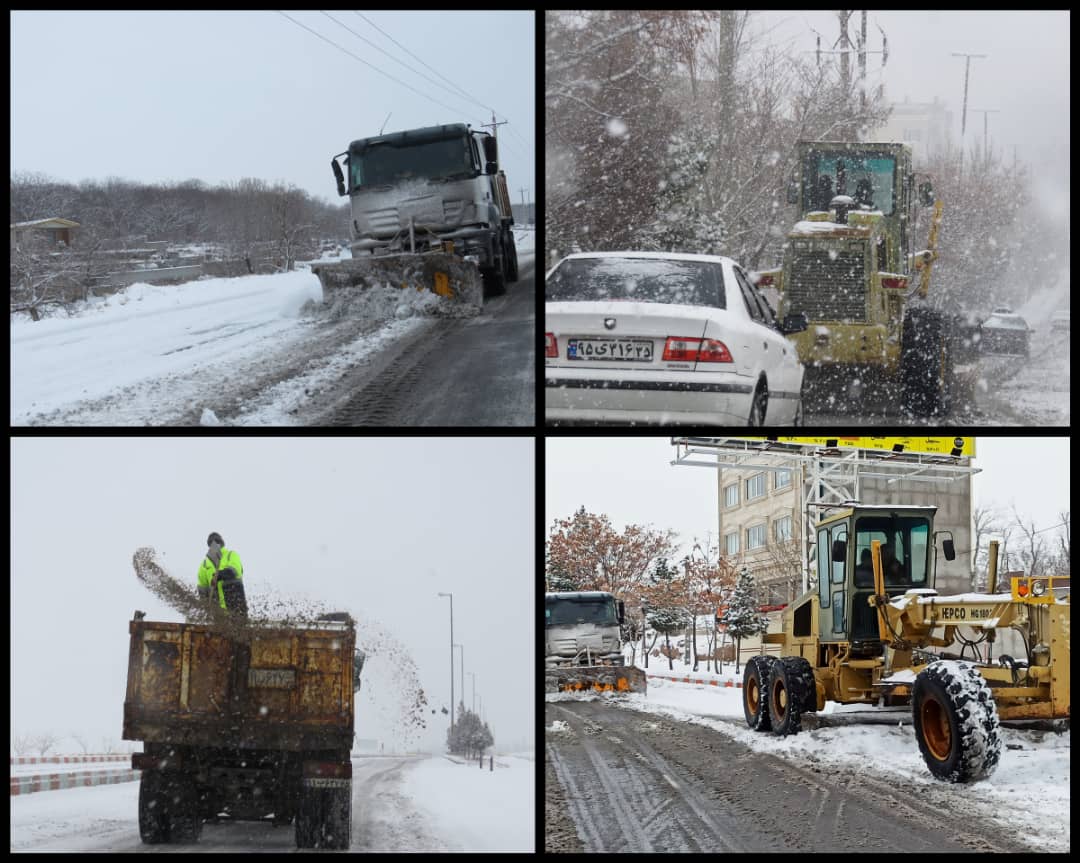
55	230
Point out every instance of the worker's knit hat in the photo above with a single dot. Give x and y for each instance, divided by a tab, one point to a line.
215	536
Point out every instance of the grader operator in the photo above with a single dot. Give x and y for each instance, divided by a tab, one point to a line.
875	633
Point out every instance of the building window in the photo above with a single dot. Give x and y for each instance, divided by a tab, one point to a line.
755	536
731	544
782	529
782	479
755	486
731	495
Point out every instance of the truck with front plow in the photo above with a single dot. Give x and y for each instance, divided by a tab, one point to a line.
430	210
874	631
582	645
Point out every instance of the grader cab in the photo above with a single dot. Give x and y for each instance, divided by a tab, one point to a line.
875	630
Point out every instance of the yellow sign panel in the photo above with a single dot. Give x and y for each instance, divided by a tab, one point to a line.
954	446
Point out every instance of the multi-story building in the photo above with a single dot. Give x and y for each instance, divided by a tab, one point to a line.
923	125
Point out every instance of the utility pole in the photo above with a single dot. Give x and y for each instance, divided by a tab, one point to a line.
984	112
963	114
494	126
523	206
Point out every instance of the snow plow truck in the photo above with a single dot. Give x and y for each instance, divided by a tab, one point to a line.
874	630
430	210
582	646
243	723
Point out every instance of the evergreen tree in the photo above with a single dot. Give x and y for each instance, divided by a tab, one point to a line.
743	617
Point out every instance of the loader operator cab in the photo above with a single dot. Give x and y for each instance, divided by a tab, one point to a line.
844	557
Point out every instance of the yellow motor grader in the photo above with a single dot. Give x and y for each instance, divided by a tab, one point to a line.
874	629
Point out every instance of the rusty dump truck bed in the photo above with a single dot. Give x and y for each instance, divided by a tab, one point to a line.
285	689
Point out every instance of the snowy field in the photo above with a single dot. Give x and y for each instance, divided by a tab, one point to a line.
1029	790
171	354
431	803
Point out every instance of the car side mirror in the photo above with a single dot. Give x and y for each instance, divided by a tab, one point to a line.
839	551
949	549
794	323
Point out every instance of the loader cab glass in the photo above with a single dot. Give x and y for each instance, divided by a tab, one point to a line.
867	179
394	159
570	612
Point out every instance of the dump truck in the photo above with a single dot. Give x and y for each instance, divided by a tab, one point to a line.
582	646
430	210
874	630
850	266
243	723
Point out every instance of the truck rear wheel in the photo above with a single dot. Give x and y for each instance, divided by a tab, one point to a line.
755	692
153	824
956	721
324	818
168	809
511	256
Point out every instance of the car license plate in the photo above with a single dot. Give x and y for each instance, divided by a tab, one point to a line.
634	350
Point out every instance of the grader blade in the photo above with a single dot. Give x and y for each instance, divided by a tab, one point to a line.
614	678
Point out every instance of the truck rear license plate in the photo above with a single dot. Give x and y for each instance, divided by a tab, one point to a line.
634	350
271	678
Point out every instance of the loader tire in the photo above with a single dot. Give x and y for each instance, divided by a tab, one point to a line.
956	721
925	363
788	694
755	692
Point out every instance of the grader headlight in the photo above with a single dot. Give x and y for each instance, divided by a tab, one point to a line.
1038	588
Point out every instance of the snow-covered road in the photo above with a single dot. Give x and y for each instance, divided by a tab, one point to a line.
255	350
399	804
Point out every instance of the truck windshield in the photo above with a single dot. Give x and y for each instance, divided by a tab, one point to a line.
387	163
645	280
867	179
904	549
562	612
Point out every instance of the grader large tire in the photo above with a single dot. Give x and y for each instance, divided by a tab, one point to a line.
755	692
925	363
956	721
791	682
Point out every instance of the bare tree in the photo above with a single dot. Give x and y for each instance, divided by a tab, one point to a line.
1033	551
22	744
985	523
44	742
1064	540
81	740
108	745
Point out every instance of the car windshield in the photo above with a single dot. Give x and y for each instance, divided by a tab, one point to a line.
563	612
646	280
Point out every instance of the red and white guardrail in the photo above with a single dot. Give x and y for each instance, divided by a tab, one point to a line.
58	781
701	681
67	759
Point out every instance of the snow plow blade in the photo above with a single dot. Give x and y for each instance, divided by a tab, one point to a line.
607	678
445	275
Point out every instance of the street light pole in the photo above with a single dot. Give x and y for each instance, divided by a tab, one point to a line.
473	676
462	647
451	660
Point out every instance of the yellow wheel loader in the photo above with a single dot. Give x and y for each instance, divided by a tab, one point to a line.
582	648
875	630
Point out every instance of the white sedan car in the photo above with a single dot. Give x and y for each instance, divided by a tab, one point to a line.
653	337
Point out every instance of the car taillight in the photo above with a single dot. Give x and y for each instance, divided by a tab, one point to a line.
696	350
551	348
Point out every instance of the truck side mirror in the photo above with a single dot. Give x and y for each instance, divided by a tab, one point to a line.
926	194
491	154
839	551
621	612
949	549
339	177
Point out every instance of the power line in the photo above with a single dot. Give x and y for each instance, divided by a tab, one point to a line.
366	63
418	60
401	62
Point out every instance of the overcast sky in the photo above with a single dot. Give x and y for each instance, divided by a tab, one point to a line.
1025	75
217	96
376	527
633	481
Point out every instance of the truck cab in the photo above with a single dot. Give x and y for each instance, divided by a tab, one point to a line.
582	628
